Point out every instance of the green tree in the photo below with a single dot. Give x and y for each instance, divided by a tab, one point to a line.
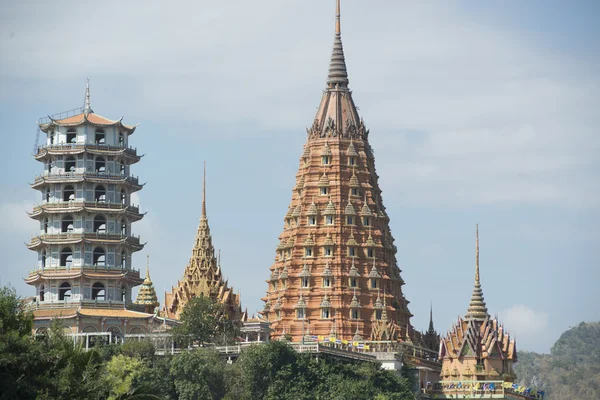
199	374
204	320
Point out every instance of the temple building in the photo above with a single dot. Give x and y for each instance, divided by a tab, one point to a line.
202	275
335	272
84	273
478	353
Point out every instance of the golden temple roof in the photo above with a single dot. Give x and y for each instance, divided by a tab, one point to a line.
147	295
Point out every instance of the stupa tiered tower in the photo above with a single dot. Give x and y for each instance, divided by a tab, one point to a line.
202	276
335	273
84	274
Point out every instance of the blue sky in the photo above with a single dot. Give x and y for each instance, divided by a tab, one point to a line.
480	112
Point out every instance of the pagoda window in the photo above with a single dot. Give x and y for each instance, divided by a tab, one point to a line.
326	281
42	292
378	315
351	251
68	193
300	313
304	282
45	225
312	220
326	313
274	285
366	221
51	137
100	137
308	252
354	191
123	293
326	160
123	259
122	169
70	164
353	282
98	291
100	194
370	252
373	283
123	227
328	251
44	257
121	139
349	220
72	135
47	196
324	191
351	160
99	257
329	220
278	314
66	257
354	313
100	165
99	224
66	225
64	291
123	197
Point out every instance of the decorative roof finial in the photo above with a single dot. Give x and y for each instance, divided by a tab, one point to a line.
148	266
87	107
204	193
477	308
338	74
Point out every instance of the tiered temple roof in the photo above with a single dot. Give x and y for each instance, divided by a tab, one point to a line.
478	347
202	275
336	240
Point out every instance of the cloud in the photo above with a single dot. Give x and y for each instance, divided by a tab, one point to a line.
526	324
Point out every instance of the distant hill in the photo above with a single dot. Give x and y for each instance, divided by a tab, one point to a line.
572	369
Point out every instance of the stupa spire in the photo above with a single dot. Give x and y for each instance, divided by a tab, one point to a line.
338	74
147	295
477	308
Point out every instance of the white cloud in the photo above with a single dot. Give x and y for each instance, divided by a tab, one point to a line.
526	324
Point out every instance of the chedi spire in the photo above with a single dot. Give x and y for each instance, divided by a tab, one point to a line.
338	74
477	308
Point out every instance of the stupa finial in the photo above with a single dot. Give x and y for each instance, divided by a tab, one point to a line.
148	266
87	106
338	74
477	308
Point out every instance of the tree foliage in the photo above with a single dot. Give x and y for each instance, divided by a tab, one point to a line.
571	370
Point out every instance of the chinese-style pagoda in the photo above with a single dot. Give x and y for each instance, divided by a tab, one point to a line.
335	272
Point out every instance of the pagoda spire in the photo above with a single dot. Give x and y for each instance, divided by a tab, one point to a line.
431	328
477	308
204	192
87	108
338	73
147	295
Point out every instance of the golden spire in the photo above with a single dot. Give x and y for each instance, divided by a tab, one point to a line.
148	268
477	308
204	193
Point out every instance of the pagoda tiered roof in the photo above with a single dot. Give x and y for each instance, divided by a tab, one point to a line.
87	117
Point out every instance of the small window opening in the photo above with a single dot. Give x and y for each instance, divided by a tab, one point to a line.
312	220
99	224
45	225
325	313
64	292
123	259
326	282
352	251
123	228
121	139
123	197
354	313
47	196
72	135
329	220
308	252
67	224
354	191
99	257
324	191
304	282
51	137
373	283
42	292
328	251
351	160
123	293
378	315
100	136
350	220
98	292
353	282
122	169
100	165
66	257
300	313
44	256
370	252
100	194
68	193
325	160
70	164
366	221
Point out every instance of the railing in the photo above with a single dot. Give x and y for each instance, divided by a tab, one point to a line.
95	204
82	175
95	268
132	151
478	389
36	239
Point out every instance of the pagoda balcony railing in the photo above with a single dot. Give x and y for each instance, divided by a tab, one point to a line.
55	205
132	151
89	303
83	268
94	236
109	176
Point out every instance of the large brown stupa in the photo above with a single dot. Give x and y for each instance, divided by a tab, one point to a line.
335	273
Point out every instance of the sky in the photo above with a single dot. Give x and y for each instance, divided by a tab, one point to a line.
480	112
